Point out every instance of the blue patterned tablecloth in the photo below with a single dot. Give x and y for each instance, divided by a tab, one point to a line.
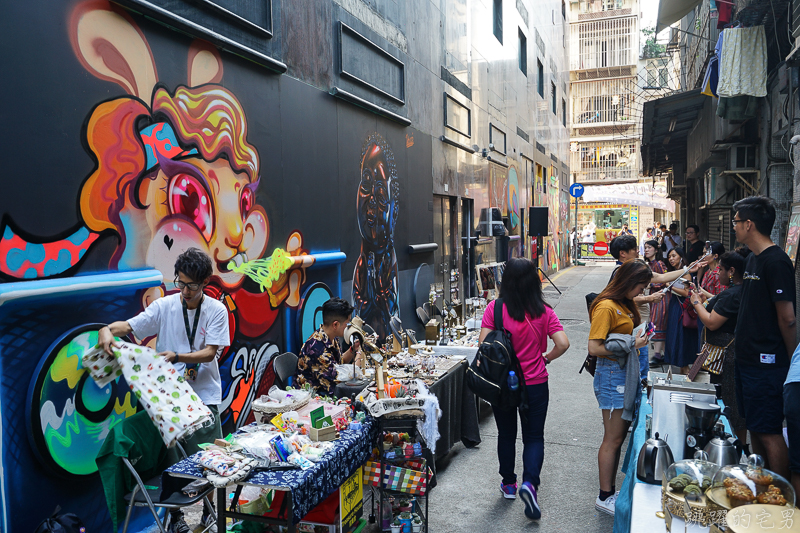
312	486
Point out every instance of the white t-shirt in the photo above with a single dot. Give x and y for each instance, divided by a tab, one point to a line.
164	317
668	238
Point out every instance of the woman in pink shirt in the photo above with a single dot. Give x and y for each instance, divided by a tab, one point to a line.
530	321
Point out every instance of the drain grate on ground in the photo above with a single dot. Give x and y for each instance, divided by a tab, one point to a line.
571	321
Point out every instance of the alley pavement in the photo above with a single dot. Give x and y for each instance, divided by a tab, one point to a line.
468	497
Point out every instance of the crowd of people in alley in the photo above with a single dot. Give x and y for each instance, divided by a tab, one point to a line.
688	303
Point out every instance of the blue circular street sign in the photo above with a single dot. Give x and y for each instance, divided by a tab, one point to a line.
576	190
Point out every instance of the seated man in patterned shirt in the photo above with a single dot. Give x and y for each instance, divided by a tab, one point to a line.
321	352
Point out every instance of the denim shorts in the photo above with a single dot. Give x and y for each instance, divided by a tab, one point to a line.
609	384
610	387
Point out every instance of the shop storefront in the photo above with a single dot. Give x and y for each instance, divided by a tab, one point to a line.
598	222
603	211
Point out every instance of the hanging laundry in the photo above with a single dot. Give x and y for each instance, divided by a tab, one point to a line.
163	392
725	8
711	78
743	63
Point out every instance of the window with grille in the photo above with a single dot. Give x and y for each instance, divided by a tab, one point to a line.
602	43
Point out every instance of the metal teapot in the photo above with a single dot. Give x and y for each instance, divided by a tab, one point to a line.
654	459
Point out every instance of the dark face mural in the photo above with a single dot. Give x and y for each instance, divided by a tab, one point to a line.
375	277
377	199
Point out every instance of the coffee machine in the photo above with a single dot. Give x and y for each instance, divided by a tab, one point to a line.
700	418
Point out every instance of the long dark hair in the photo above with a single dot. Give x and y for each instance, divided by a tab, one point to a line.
629	275
521	289
659	256
678	250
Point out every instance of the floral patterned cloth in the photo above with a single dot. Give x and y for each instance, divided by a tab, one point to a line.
711	282
317	363
308	487
743	63
163	392
658	310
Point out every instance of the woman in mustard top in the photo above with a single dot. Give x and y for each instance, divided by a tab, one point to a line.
613	311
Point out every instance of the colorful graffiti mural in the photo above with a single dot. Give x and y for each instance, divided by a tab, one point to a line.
173	169
375	277
513	199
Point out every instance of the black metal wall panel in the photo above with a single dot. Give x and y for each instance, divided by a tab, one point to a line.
368	64
241	26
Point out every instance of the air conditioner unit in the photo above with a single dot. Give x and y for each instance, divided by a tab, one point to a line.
742	157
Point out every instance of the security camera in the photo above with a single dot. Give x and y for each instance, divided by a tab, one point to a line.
794	140
491	146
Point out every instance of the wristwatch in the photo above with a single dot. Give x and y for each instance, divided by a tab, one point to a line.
546	360
176	357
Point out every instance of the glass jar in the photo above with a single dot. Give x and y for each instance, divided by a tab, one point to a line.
736	485
687	482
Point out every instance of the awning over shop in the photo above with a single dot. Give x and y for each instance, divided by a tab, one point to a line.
641	194
670	11
666	123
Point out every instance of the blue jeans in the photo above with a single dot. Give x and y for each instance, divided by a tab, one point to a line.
532	436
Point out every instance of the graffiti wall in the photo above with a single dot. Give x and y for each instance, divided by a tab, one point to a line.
546	192
136	143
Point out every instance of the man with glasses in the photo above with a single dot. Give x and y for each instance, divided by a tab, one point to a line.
694	246
765	330
192	331
321	352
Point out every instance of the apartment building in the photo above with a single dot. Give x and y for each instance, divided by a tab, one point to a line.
610	81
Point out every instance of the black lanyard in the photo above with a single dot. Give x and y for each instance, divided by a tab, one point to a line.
190	333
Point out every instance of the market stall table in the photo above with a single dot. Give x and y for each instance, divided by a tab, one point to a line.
459	421
305	488
459	411
636	499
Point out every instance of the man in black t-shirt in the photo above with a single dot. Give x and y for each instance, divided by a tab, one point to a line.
765	330
693	244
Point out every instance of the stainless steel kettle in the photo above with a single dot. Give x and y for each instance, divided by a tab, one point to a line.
654	459
722	451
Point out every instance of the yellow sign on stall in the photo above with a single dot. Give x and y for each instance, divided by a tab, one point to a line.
351	501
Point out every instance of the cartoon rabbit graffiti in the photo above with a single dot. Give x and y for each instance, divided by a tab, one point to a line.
173	169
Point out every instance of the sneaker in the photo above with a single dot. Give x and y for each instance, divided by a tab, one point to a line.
528	495
509	491
606	506
178	525
206	525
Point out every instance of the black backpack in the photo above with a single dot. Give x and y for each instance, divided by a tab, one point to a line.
487	376
61	523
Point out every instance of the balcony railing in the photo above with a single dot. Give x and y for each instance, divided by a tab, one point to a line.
594	9
606	161
601	103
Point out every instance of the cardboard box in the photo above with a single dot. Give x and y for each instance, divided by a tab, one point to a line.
328	433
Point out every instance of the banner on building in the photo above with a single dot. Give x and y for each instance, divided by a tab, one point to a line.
641	194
